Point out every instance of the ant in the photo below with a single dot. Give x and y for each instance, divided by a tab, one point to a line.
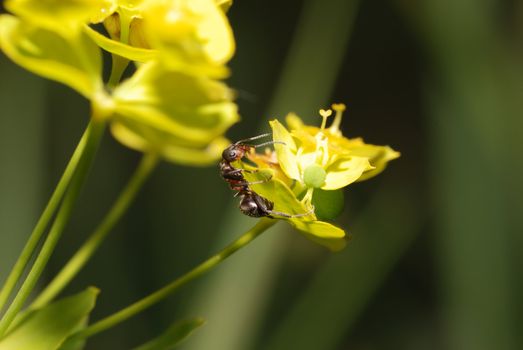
234	152
251	204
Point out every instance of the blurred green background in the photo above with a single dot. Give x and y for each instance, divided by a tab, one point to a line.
437	253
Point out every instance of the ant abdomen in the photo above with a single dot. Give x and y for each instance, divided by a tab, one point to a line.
252	204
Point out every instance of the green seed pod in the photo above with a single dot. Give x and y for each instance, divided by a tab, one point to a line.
328	204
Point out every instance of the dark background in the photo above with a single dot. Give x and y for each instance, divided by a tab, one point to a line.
436	258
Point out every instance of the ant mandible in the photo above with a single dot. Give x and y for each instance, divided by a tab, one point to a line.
251	203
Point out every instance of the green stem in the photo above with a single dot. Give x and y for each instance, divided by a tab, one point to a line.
78	261
164	292
42	223
93	140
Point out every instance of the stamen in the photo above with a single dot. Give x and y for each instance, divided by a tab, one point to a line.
307	199
339	108
325	114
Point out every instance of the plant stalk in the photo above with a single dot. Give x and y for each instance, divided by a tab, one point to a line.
95	133
42	223
139	306
80	258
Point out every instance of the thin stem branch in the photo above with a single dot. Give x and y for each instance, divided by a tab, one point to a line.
119	63
80	258
42	223
164	292
93	140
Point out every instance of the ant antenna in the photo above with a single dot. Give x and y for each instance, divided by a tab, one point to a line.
289	216
252	138
269	143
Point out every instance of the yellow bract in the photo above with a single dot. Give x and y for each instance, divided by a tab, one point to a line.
169	112
77	63
285	201
191	35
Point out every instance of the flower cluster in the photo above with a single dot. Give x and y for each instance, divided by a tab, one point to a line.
174	104
310	166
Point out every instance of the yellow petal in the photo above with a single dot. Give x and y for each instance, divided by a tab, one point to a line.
286	151
345	171
193	36
293	121
46	53
196	109
224	5
64	16
169	148
322	233
378	156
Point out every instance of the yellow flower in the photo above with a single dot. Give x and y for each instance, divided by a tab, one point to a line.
308	169
322	157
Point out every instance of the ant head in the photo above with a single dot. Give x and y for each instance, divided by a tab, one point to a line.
233	152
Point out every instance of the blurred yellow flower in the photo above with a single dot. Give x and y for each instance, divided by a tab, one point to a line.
171	105
179	116
193	36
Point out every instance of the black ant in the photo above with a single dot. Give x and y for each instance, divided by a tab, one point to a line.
234	152
251	204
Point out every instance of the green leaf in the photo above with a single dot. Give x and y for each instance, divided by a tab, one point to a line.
75	62
130	52
173	335
48	327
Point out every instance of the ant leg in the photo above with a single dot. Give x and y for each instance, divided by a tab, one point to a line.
290	216
249	171
247	183
257	182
